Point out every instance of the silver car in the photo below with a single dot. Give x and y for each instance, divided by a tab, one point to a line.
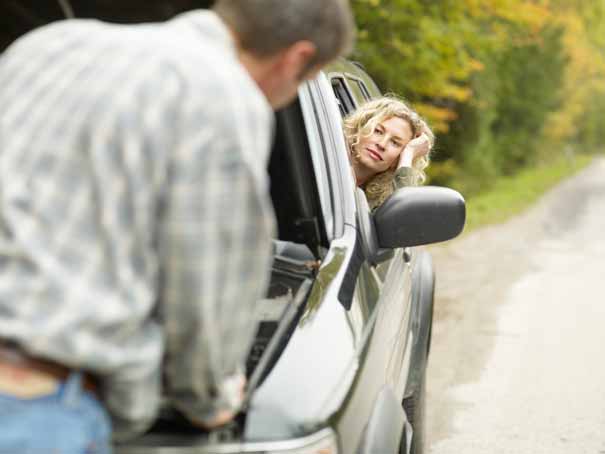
339	360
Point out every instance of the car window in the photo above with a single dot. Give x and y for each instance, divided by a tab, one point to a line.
359	95
364	90
359	89
343	96
346	103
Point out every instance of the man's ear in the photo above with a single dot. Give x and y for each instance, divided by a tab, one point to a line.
295	60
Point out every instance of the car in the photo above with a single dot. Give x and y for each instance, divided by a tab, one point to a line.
339	361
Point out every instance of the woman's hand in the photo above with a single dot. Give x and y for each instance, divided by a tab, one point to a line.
416	148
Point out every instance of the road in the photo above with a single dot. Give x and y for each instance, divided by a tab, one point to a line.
517	363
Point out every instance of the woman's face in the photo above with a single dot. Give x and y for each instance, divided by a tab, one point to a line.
381	149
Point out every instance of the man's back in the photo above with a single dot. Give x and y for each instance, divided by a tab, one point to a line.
98	123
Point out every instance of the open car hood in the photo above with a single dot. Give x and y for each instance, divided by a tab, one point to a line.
314	373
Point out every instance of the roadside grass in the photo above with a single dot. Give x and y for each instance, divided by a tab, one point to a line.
511	195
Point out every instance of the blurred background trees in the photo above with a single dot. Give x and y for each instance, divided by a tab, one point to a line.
506	84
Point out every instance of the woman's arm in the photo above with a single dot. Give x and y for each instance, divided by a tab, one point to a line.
405	173
404	176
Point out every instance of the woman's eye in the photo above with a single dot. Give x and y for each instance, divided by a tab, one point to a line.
395	143
378	131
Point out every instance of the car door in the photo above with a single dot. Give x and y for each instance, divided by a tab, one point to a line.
361	289
351	90
385	285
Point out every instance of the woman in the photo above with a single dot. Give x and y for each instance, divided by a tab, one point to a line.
389	145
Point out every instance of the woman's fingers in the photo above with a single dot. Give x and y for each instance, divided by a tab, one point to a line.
416	148
420	146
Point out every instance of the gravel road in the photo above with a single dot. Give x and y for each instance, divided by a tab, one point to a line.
518	353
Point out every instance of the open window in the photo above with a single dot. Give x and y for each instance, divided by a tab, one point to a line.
351	92
359	90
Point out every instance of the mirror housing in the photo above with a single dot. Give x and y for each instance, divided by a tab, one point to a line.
413	216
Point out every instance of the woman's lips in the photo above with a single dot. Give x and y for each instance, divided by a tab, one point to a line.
374	155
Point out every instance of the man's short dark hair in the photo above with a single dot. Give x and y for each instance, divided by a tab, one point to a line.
264	27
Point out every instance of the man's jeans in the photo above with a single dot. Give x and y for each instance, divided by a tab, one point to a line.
70	421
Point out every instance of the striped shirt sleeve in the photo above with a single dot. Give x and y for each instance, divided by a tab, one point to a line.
215	248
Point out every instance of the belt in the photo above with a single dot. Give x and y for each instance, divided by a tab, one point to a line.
15	357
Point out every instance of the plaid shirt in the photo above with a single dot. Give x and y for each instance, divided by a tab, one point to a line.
135	221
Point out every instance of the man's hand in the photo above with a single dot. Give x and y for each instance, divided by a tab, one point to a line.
416	148
222	417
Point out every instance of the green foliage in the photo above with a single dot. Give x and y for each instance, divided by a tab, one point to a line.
511	195
590	131
418	49
500	130
505	84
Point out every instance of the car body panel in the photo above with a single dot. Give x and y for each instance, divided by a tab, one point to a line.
383	432
287	405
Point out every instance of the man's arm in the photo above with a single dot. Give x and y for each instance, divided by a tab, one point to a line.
214	242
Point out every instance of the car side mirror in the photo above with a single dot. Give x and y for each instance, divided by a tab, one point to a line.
413	216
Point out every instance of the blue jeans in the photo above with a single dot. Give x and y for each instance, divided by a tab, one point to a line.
70	421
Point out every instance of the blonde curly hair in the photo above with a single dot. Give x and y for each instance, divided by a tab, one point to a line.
362	122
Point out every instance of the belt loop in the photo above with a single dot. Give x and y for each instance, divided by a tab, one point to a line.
72	389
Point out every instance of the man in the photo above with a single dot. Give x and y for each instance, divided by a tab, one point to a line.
135	220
